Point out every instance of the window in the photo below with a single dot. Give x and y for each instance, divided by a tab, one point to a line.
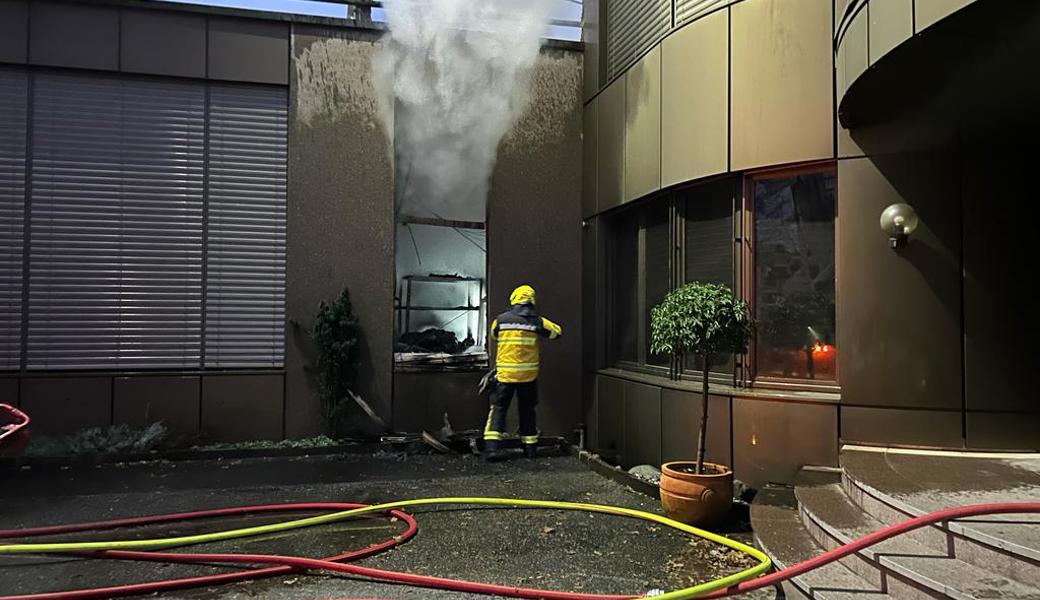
14	87
794	262
708	252
641	275
116	223
781	259
673	239
640	278
658	268
246	236
624	331
156	231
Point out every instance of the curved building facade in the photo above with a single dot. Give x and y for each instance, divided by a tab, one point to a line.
756	143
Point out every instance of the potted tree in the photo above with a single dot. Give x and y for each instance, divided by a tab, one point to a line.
703	320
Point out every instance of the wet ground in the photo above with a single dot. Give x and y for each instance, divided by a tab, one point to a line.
532	548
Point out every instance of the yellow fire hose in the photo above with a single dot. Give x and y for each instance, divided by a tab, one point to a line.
170	542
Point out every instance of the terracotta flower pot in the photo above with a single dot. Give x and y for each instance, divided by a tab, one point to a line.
694	499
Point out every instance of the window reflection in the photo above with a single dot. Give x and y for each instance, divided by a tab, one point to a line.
794	276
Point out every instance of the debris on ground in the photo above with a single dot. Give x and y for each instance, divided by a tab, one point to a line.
321	441
432	442
432	340
702	560
743	492
368	410
647	473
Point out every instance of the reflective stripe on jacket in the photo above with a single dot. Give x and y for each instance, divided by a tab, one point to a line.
517	333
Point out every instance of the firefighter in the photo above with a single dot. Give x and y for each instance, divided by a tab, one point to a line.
516	363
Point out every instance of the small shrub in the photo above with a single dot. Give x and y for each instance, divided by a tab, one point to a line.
337	336
100	441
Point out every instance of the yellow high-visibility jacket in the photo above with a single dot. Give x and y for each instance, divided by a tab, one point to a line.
517	333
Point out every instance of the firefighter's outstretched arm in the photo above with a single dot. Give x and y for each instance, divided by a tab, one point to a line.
549	329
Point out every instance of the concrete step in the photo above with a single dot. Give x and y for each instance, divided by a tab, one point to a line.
903	567
893	485
779	532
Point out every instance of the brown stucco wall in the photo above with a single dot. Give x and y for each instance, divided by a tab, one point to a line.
534	227
340	222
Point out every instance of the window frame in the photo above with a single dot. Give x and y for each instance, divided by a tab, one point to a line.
748	276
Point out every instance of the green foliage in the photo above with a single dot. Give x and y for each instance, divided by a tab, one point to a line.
337	336
705	319
320	441
100	441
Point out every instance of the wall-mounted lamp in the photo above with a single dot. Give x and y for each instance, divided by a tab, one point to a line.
899	221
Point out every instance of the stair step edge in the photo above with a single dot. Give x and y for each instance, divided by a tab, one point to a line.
962	528
817	584
897	564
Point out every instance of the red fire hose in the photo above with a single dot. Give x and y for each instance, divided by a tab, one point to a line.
14	431
876	537
289	564
411	527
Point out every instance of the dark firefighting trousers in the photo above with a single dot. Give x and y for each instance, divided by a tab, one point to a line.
527	396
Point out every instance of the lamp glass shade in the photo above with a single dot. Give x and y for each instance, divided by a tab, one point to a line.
899	220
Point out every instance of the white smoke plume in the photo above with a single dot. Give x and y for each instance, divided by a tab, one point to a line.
455	75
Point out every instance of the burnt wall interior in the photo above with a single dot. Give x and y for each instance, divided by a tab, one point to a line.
423	250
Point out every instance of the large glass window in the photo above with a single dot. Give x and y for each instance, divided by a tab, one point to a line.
678	238
640	276
658	268
768	236
794	274
709	233
708	248
624	322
